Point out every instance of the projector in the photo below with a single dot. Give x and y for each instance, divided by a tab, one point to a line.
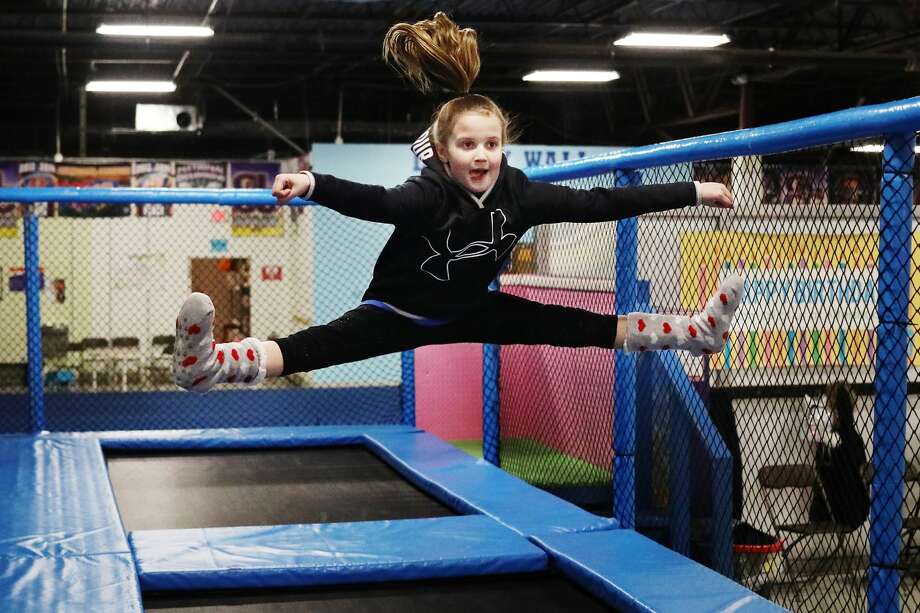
167	118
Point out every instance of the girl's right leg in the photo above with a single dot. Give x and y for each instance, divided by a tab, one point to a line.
363	332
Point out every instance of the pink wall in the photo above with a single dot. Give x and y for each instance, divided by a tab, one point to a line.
448	390
558	396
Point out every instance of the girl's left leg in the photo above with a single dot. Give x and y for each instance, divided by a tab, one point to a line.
508	320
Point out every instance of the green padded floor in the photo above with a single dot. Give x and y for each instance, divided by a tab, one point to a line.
541	465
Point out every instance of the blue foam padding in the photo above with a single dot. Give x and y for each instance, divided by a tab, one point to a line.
77	584
475	486
634	573
62	546
322	554
56	498
241	438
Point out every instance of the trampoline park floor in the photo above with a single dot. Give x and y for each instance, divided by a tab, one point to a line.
359	518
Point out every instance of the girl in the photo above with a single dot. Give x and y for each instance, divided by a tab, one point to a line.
839	458
455	225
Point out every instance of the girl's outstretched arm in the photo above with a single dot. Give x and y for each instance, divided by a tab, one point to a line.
415	202
549	203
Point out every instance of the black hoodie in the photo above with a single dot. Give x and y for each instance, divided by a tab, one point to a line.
449	244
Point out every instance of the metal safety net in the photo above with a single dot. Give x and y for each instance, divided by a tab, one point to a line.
789	460
114	275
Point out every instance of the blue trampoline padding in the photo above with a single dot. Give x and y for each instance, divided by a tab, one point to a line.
323	554
69	584
62	546
634	573
57	500
226	438
475	486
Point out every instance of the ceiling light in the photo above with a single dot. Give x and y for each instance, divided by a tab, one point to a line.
131	86
874	148
664	39
153	31
573	76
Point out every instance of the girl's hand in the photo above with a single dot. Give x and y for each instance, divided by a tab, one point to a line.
288	186
716	195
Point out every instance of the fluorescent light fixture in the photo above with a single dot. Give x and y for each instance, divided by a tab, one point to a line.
874	148
153	31
665	39
572	76
134	87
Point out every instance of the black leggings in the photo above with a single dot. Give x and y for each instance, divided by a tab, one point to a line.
369	331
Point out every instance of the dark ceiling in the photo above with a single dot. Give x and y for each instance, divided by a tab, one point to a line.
292	63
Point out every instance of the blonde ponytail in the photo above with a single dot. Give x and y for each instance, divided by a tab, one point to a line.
434	53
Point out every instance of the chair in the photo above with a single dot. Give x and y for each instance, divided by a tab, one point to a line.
159	363
54	350
75	356
126	356
96	359
801	476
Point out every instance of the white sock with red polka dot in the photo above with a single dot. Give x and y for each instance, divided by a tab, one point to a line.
199	363
705	332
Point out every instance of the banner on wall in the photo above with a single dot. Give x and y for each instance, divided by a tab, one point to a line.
39	174
211	175
9	211
17	278
103	176
153	175
783	184
255	220
809	298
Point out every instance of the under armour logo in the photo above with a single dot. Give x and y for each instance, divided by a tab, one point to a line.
498	245
422	147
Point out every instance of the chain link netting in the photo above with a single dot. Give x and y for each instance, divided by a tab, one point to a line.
556	402
114	277
756	421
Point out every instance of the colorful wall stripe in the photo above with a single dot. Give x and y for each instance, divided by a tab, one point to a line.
785	348
809	300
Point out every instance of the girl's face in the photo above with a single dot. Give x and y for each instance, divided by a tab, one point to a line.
473	152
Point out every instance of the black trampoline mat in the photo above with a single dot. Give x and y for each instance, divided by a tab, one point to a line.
261	487
534	593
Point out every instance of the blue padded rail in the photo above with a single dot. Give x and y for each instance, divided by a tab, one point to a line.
634	573
243	438
62	546
475	486
323	554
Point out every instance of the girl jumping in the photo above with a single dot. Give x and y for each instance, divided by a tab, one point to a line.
455	225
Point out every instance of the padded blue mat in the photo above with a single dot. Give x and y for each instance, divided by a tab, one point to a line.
62	547
476	486
634	573
323	554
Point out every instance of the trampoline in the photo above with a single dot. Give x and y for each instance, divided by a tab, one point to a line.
350	518
267	487
261	487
